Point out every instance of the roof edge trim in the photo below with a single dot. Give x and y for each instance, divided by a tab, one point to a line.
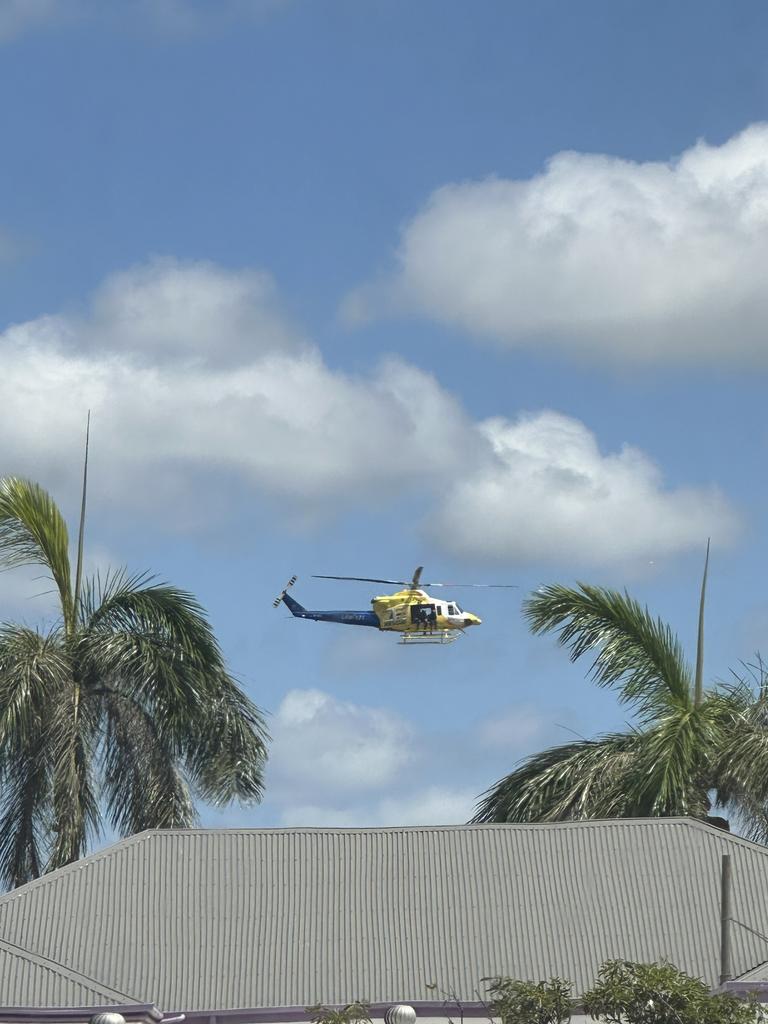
29	1014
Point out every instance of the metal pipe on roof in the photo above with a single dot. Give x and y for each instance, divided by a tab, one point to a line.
726	973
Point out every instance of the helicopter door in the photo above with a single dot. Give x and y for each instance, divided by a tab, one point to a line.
423	615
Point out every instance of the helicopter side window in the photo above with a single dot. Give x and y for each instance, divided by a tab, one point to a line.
452	609
423	614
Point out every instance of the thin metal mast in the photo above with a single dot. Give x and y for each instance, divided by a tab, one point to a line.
81	532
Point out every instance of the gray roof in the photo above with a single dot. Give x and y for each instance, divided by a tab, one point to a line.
212	919
32	980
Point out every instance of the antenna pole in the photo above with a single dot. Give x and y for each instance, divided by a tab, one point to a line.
699	685
81	532
725	920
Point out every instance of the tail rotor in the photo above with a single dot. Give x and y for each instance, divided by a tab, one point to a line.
282	593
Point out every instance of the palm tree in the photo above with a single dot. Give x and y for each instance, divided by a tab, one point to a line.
689	750
122	710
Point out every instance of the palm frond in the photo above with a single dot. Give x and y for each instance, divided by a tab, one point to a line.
142	785
226	758
34	672
151	669
24	819
33	532
154	642
672	771
741	766
634	652
73	738
583	779
124	603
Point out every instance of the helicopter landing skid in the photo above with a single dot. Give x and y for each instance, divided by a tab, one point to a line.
430	636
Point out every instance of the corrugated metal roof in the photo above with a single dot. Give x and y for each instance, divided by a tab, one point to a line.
206	919
27	979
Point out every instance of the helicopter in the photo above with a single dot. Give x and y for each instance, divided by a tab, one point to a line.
410	612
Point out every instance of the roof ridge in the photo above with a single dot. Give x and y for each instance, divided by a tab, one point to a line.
96	986
647	822
464	827
145	836
721	833
76	865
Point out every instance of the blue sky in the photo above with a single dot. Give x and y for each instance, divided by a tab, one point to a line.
356	286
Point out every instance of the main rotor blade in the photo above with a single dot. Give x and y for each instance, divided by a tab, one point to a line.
362	579
409	583
495	586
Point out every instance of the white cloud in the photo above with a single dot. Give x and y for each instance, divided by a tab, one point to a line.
193	16
513	728
549	494
164	309
17	16
191	367
321	744
201	389
600	256
27	595
180	17
433	805
340	764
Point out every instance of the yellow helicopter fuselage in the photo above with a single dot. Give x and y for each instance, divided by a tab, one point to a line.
415	611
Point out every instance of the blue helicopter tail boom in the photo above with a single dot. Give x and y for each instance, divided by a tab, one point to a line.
349	618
